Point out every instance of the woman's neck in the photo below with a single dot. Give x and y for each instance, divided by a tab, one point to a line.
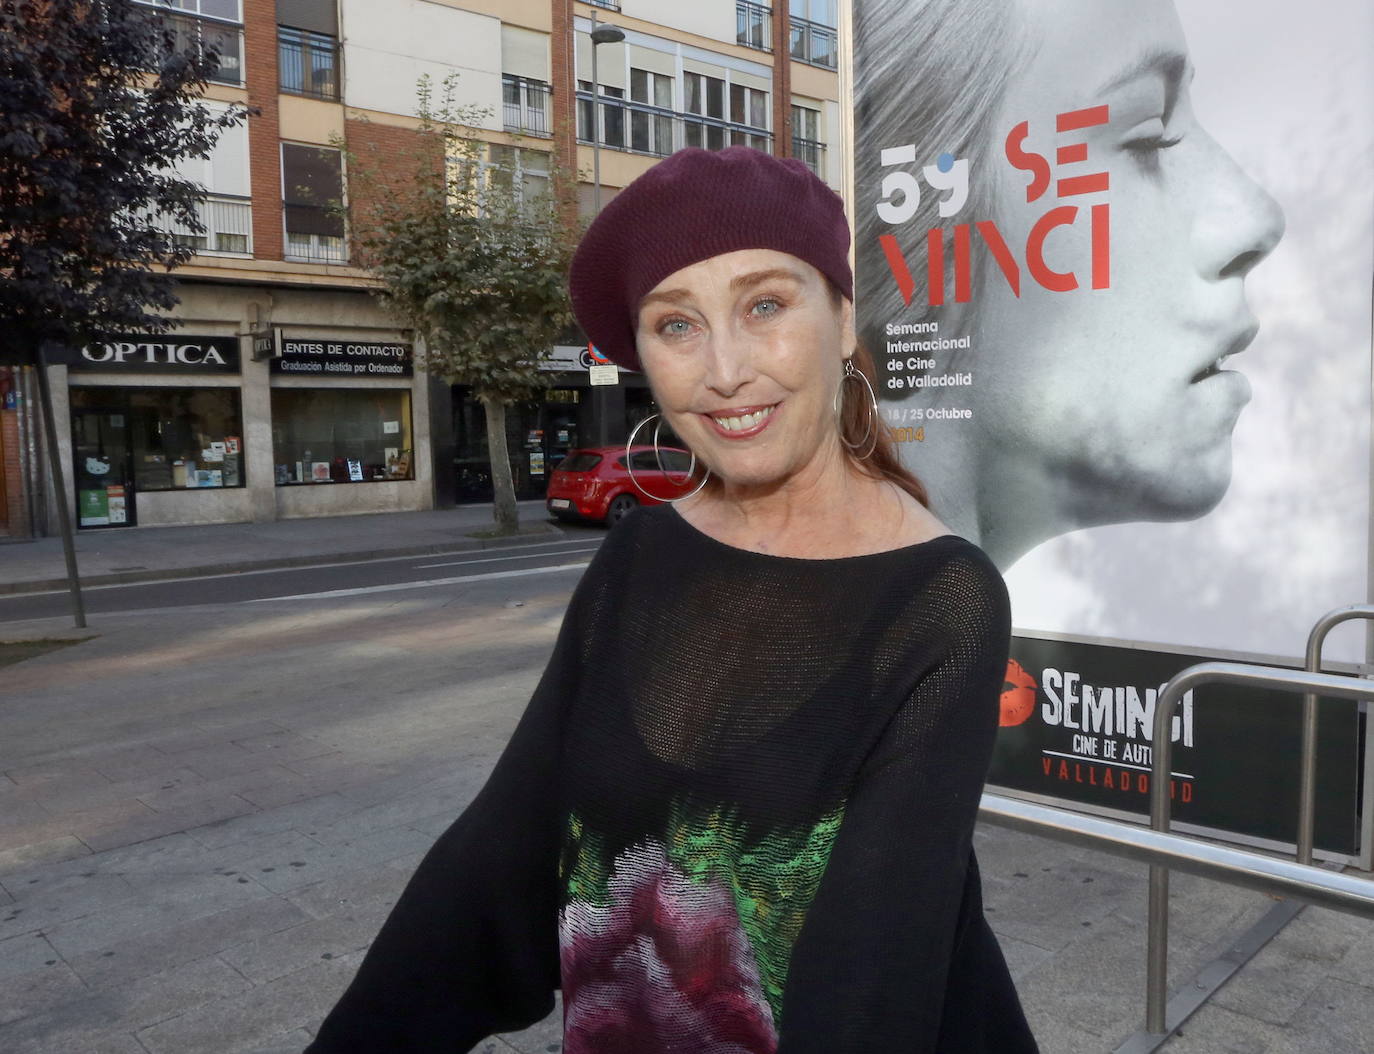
838	511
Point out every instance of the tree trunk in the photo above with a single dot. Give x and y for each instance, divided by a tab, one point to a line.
504	511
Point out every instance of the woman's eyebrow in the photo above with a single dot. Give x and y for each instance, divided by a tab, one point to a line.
753	278
670	296
1161	62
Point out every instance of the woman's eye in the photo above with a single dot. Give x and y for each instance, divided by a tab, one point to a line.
765	308
1148	139
675	327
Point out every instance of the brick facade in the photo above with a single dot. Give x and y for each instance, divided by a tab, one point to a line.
264	132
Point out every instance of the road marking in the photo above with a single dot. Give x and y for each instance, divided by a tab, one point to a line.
499	559
430	583
175	579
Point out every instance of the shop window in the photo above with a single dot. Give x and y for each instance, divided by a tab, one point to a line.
324	435
175	438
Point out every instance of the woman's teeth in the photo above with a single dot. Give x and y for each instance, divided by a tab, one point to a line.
743	422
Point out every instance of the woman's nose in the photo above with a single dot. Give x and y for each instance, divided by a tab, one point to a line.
729	362
1239	222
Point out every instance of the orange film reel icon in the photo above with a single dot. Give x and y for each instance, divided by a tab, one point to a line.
1018	695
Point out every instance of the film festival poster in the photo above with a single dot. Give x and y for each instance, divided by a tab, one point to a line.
1114	266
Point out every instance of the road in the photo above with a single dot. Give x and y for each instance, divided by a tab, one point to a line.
354	578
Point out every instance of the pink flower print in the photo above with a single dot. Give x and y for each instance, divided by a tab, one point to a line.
663	965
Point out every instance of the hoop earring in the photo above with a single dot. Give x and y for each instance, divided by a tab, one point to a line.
870	438
658	457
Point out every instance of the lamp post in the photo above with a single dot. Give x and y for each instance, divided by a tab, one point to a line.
601	34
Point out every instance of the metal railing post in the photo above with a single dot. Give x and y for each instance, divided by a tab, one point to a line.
1307	788
1157	954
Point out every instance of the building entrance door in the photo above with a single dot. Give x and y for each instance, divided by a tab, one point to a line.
102	468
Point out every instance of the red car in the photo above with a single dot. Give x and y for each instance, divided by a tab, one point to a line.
593	483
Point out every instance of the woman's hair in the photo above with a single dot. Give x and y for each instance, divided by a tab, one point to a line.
933	74
857	422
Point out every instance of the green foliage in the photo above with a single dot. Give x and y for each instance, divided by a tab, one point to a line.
97	105
469	255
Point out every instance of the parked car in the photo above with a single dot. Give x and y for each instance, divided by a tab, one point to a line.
593	483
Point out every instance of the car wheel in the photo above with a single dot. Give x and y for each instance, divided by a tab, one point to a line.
620	507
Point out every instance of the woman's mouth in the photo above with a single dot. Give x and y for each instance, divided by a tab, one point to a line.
741	422
1236	345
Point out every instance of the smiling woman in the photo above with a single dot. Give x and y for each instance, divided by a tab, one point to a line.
737	816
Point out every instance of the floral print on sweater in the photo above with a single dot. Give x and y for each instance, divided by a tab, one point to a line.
683	944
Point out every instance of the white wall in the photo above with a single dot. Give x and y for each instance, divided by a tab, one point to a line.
388	46
707	18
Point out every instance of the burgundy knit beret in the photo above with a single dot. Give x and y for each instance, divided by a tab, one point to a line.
689	207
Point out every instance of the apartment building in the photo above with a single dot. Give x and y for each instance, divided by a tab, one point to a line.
284	391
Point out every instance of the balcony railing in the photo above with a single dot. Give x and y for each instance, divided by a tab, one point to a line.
526	105
227	226
811	153
192	33
308	63
753	25
815	44
609	5
639	128
308	236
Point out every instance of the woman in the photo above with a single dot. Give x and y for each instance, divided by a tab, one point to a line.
1104	403
737	815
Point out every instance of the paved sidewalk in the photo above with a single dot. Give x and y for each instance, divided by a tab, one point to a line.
141	554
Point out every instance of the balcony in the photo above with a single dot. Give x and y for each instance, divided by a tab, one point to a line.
608	5
308	63
811	153
526	105
227	226
183	32
753	25
815	44
314	234
658	132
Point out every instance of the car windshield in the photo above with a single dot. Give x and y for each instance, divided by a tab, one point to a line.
580	461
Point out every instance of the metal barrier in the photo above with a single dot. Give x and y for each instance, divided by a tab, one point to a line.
1164	851
1169	697
1307	790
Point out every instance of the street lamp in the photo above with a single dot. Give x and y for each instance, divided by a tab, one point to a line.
601	34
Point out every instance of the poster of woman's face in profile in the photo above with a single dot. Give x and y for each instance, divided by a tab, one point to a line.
1114	264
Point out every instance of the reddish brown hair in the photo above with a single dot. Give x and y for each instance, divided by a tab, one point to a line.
857	423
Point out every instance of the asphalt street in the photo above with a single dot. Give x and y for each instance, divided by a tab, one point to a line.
355	576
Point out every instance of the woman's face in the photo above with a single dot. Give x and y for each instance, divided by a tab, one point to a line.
1116	391
744	353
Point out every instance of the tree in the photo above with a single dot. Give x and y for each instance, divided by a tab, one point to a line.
471	254
97	105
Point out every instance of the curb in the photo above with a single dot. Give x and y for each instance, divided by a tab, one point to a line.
50	585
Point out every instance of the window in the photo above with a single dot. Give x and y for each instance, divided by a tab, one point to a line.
749	106
806	140
226	211
512	169
312	196
178	438
651	133
814	39
203	25
307	63
526	105
753	25
341	435
705	98
612	115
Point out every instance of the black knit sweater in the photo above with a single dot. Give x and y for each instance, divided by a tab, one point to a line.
735	818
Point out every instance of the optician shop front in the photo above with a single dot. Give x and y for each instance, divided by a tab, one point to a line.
214	427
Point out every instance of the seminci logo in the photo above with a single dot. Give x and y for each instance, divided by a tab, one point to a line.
1018	695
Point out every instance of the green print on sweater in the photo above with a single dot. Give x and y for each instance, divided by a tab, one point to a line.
773	879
